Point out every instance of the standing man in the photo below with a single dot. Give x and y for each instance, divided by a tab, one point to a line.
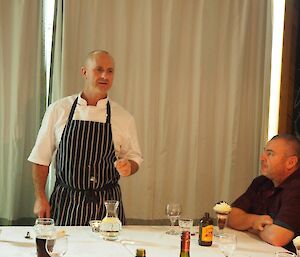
270	208
84	135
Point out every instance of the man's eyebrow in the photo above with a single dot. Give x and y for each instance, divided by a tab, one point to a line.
268	150
101	67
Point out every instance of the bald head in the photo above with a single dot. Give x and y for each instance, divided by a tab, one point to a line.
92	55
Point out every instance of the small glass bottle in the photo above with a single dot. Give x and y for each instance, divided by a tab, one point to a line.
185	244
140	253
206	230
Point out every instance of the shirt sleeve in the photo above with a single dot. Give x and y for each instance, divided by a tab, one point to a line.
245	201
131	147
289	212
45	143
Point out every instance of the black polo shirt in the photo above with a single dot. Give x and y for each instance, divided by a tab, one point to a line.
282	203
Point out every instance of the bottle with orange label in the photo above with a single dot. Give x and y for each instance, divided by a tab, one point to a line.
206	230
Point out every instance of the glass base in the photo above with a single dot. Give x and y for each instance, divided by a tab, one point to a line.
110	235
172	232
218	232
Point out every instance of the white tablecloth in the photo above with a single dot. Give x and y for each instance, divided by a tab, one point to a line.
83	243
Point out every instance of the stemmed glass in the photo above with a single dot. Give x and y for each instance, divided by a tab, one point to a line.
57	246
222	210
227	243
173	211
221	222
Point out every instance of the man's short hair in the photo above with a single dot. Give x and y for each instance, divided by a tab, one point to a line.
291	140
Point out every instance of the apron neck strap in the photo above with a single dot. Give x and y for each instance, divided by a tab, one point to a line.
73	109
108	113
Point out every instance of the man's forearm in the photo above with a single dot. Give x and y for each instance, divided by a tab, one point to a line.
41	206
261	225
276	235
240	220
39	175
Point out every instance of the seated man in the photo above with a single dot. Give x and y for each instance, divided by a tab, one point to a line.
270	207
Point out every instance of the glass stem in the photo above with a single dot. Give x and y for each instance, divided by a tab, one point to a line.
172	224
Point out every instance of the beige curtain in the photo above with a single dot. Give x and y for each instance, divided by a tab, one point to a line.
194	73
22	100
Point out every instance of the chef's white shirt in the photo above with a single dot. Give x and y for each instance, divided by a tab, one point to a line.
123	128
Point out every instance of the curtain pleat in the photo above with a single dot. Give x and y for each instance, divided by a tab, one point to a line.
22	100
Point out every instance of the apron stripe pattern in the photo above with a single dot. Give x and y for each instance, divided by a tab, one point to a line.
85	172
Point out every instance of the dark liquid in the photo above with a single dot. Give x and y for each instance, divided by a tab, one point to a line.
41	247
221	223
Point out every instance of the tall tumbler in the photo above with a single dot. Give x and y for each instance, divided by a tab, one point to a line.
44	228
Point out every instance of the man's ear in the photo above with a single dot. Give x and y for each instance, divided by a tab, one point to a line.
83	71
292	161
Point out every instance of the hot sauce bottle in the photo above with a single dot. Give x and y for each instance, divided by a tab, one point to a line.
206	230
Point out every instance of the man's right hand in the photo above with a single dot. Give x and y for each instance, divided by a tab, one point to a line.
42	208
260	221
241	220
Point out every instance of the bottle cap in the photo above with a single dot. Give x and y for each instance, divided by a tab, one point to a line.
140	252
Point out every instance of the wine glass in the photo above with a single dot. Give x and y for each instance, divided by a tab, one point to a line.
173	211
57	246
227	243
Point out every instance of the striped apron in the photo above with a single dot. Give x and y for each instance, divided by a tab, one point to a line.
85	172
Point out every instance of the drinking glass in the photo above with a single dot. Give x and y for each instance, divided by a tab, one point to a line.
221	223
173	211
227	243
44	228
285	254
95	225
57	246
185	224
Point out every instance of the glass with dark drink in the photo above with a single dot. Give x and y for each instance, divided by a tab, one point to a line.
44	228
40	246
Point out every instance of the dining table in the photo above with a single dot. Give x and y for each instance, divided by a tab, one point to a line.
85	243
